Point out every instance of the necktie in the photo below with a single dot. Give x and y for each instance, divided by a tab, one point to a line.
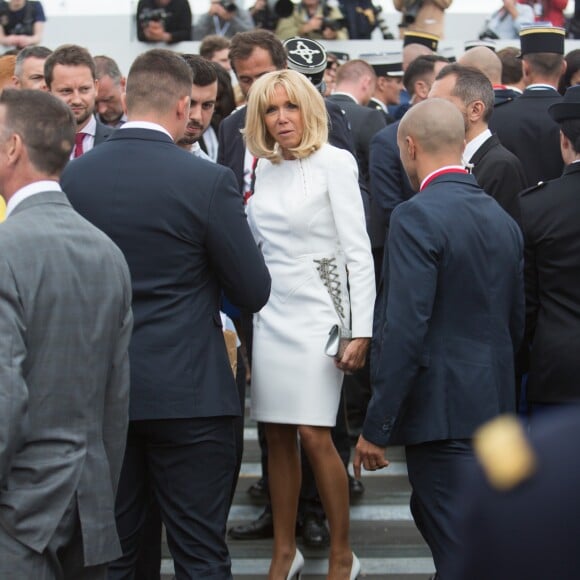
78	150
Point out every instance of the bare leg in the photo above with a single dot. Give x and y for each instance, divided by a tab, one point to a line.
332	483
284	479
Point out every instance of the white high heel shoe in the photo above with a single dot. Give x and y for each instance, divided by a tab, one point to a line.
355	568
295	572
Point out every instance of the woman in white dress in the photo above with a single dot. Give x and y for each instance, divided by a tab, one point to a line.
307	217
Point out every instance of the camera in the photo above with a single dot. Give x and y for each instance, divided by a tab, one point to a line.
411	9
332	24
488	33
382	23
148	15
228	5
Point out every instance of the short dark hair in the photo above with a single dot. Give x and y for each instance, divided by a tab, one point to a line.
572	67
211	44
157	79
68	55
419	68
226	100
244	43
545	63
470	85
45	124
40	52
203	71
105	66
511	65
571	129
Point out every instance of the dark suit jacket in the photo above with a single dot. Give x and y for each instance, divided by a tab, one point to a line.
503	96
450	316
527	130
181	224
389	184
102	133
499	173
232	149
551	225
364	123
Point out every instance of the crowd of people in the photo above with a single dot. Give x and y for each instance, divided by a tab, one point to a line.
382	248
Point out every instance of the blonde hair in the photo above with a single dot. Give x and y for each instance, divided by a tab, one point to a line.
302	93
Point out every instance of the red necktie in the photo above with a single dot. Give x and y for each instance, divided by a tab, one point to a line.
78	151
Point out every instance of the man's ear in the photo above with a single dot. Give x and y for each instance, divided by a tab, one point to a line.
183	107
476	111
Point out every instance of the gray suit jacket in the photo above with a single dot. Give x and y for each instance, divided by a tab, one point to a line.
65	325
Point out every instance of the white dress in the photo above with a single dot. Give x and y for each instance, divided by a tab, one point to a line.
303	211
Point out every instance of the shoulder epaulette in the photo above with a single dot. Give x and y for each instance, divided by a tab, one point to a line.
536	187
504	452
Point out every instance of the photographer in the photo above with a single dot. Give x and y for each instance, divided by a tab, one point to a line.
21	23
507	21
166	21
422	15
313	19
223	18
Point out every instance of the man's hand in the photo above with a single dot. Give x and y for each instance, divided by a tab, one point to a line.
313	25
354	355
216	9
369	455
155	32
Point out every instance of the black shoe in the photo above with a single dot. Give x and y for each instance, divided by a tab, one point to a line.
259	529
259	489
314	532
355	487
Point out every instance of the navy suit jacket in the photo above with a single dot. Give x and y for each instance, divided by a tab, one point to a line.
450	316
389	184
181	225
364	123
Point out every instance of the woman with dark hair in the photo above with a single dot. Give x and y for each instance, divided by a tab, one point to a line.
571	76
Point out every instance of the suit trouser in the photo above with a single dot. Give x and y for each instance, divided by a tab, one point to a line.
62	559
434	472
188	465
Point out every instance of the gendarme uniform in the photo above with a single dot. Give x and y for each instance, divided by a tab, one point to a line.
523	125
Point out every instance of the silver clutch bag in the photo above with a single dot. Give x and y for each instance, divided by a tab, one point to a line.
338	339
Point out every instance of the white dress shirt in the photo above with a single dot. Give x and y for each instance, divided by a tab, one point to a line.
30	190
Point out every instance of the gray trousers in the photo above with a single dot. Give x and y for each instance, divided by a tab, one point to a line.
61	560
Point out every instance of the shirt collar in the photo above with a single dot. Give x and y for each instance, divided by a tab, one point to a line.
145	125
442	170
474	145
90	128
30	190
540	87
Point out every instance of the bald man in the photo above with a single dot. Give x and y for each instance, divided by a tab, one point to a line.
488	62
448	320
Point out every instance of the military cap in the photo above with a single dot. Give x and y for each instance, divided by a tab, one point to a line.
542	39
307	57
429	40
385	64
569	107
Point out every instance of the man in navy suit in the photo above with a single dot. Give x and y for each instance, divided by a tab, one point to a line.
181	225
447	324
